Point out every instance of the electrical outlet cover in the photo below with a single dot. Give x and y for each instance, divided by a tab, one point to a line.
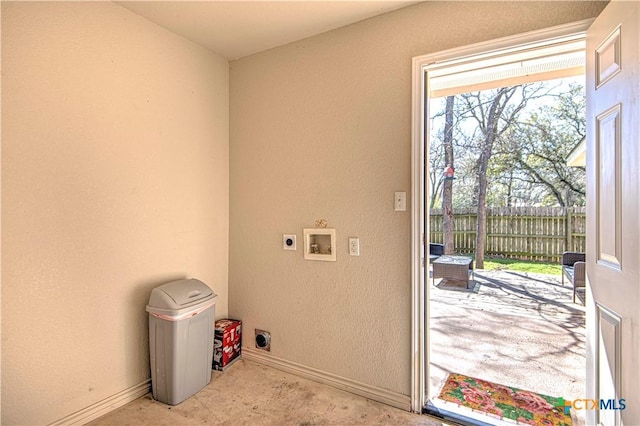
354	246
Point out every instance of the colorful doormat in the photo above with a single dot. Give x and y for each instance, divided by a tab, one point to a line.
504	402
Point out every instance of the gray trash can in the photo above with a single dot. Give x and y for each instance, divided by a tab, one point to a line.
181	331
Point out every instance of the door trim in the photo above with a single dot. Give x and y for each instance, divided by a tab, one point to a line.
419	215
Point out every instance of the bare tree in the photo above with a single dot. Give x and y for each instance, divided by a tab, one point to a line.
436	158
540	145
508	150
447	190
495	112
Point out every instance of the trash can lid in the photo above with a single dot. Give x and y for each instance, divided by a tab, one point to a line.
180	294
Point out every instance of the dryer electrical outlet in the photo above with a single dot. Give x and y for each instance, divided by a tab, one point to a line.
289	241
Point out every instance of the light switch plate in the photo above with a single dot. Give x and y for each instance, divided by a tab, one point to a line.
400	201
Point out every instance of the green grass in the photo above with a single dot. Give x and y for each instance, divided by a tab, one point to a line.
522	266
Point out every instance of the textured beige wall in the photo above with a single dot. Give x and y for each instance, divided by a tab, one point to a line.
115	180
321	129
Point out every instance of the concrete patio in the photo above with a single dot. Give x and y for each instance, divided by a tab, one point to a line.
513	328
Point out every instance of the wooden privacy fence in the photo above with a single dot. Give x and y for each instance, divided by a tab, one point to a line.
528	233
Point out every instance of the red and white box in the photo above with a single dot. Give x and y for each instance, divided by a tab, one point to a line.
227	343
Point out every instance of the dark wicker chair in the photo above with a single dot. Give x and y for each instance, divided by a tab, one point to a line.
435	251
575	269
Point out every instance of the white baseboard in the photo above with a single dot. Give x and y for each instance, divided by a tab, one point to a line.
101	408
374	393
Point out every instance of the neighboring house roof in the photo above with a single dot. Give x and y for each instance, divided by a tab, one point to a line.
578	155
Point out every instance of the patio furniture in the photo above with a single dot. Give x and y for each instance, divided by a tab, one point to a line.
435	251
458	268
574	268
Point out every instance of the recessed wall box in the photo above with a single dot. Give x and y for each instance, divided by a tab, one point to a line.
320	244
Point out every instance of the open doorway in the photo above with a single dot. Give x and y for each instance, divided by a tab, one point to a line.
503	317
507	68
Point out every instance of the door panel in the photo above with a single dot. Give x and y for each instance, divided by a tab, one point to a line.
613	224
609	352
608	180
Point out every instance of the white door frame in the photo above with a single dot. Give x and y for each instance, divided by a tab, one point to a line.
419	215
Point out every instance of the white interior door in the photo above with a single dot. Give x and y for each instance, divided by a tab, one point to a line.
613	212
